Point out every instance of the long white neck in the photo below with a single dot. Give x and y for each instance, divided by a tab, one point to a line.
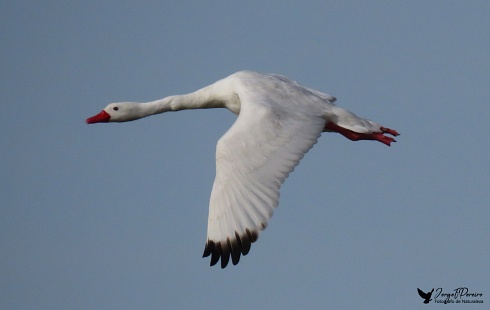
204	98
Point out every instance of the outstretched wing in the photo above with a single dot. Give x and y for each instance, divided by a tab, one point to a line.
253	159
422	294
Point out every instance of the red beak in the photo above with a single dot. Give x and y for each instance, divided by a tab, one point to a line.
102	117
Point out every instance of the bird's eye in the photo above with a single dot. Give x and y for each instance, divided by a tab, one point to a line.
115	108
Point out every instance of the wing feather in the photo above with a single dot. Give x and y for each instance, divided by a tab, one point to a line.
253	158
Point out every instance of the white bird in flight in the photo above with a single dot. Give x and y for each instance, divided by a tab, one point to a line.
278	122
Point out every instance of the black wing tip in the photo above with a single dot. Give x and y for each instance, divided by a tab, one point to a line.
234	248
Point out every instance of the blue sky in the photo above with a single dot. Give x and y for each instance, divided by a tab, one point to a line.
114	216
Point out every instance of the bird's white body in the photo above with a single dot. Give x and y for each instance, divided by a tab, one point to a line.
278	122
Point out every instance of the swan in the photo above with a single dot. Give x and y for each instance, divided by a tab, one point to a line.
278	122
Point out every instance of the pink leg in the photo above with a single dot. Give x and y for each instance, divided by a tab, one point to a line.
355	136
389	131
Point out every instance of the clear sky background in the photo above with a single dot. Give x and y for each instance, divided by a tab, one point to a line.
114	216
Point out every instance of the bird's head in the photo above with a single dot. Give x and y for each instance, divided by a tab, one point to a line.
117	112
